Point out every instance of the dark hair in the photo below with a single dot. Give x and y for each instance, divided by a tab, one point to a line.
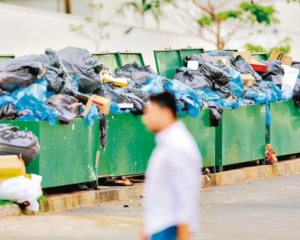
165	100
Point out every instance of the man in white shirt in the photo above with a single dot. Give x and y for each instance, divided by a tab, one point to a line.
173	174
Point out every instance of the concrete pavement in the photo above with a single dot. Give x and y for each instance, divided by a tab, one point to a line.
261	210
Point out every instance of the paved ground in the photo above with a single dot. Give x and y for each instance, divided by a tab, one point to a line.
260	210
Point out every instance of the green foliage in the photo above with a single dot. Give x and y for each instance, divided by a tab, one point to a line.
283	46
144	6
233	14
260	14
205	20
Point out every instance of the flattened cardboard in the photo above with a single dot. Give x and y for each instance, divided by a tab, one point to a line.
11	166
280	56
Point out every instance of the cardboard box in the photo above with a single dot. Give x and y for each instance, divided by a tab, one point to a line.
248	80
102	102
258	66
11	166
244	54
280	56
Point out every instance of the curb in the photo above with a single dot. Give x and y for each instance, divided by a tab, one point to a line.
62	202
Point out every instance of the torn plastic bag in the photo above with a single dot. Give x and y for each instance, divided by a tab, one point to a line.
224	91
154	85
245	68
296	65
177	88
8	112
272	97
23	190
114	108
236	77
193	57
15	142
103	129
275	72
192	78
215	114
61	100
193	105
288	81
86	69
139	74
236	90
17	73
215	73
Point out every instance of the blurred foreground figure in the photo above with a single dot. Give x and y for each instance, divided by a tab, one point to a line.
173	174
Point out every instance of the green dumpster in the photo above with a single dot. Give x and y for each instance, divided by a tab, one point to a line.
204	134
240	137
67	152
129	146
167	61
6	57
110	60
128	57
284	130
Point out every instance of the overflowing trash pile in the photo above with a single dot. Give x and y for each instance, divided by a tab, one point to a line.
215	80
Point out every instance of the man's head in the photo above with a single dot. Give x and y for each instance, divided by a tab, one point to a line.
161	113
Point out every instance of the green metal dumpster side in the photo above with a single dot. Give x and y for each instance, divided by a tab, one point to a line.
189	51
284	130
260	56
129	146
128	57
204	134
167	61
67	152
240	137
6	57
110	60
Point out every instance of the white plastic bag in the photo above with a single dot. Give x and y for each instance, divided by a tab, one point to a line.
288	81
21	189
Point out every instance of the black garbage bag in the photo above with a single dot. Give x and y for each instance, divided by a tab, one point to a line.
138	104
296	93
245	68
224	91
193	57
117	95
103	129
133	71
17	73
296	65
66	106
192	78
215	73
215	114
139	93
274	73
8	112
223	54
15	142
86	69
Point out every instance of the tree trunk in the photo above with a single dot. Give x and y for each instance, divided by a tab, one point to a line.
219	39
68	8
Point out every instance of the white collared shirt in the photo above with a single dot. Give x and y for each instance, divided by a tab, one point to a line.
172	181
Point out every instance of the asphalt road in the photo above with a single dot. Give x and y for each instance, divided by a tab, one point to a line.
259	210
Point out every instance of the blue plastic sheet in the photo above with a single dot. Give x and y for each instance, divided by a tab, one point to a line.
114	108
236	77
276	90
183	92
154	85
91	115
228	103
210	95
258	97
236	90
